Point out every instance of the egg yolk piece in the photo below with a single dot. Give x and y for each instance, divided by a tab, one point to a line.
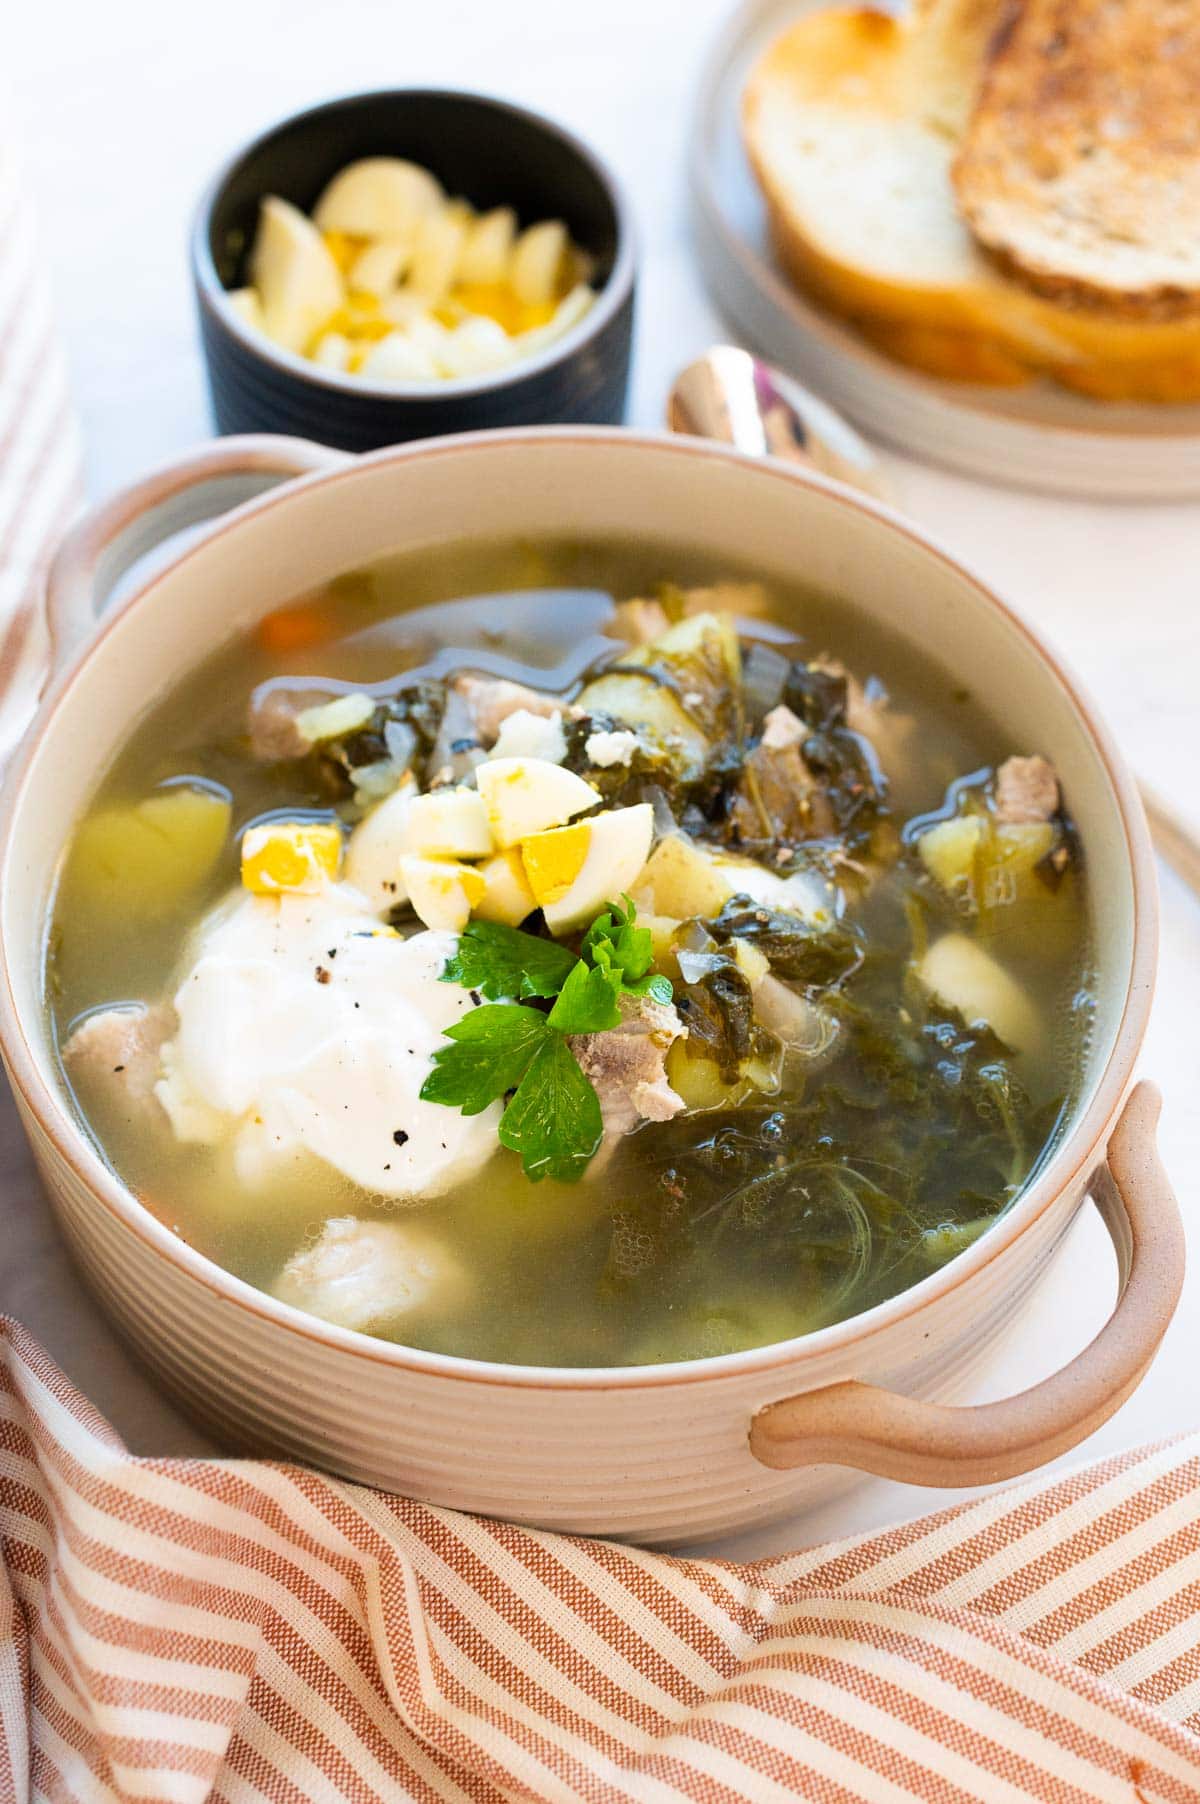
553	860
290	857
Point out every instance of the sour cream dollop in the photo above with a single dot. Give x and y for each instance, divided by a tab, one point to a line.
305	1026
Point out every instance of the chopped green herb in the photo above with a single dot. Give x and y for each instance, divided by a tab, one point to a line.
554	1119
517	1050
587	1002
614	944
489	1056
502	961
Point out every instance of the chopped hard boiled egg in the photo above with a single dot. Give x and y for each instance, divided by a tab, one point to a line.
507	897
246	304
528	795
378	268
554	859
442	891
474	347
449	823
290	857
400	357
333	351
573	871
537	262
488	247
437	246
378	197
294	275
376	847
526	735
394	281
345	714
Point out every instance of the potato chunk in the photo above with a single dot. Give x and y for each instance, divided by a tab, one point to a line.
964	977
682	881
143	859
680	690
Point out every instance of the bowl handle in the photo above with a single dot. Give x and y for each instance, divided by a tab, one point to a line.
109	539
893	1436
191	490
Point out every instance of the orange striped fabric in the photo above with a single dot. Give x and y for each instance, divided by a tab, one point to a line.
230	1631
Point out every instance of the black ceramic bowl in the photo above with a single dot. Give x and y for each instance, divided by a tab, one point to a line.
494	155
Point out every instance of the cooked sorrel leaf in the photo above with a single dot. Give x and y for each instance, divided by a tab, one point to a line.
803	953
718	1012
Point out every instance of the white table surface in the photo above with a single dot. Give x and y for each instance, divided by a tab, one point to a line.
125	109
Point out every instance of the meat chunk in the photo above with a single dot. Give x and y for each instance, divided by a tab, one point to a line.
640	621
120	1049
627	1066
271	723
361	1274
782	728
1026	791
778	800
870	714
490	700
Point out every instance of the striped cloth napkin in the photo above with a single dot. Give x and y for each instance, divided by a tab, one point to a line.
222	1630
39	438
226	1630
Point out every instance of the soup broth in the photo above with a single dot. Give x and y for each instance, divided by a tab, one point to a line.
865	906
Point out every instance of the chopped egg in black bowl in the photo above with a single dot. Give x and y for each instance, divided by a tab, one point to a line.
401	264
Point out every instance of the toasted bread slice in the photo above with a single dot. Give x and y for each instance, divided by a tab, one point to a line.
852	121
1080	164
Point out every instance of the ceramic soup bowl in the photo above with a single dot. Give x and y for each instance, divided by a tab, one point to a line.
659	1453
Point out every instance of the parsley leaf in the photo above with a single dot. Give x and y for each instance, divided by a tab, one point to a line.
553	1117
657	988
554	1120
489	1054
587	1002
615	945
502	961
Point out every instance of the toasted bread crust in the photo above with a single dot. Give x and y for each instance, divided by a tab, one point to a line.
1080	165
965	319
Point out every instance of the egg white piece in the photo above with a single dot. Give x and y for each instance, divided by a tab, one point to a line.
306	1027
378	197
297	281
377	845
526	735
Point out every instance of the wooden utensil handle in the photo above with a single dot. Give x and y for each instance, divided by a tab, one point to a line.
1173	838
893	1436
